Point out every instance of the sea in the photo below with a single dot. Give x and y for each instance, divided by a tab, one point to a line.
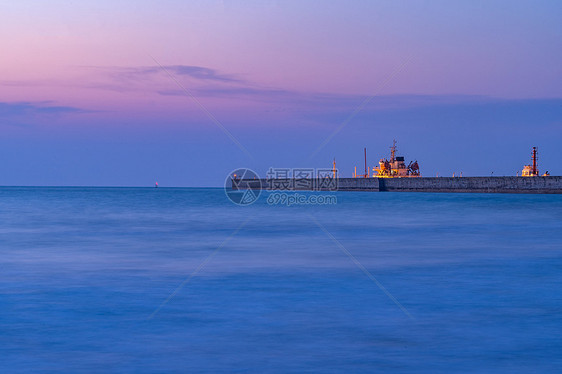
182	280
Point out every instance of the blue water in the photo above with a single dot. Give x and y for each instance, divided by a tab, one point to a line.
441	283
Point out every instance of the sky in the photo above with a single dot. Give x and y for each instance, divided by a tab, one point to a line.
127	93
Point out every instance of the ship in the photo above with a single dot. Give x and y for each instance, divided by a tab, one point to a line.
396	167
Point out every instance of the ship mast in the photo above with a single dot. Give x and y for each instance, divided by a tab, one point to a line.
393	151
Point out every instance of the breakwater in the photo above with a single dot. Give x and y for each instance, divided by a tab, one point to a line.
549	184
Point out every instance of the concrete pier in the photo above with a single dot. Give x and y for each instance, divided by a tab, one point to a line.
549	184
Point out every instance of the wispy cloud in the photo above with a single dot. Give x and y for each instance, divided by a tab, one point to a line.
233	92
144	72
16	109
212	83
327	101
126	79
205	82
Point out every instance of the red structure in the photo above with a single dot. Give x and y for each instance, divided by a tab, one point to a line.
535	171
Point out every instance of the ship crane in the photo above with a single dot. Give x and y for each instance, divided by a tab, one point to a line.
413	168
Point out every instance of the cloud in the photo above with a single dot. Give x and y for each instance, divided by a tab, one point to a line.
232	92
203	73
481	114
144	72
327	101
212	83
17	109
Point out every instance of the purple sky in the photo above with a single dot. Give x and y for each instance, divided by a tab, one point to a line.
462	86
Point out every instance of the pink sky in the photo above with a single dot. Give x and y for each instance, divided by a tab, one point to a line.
273	64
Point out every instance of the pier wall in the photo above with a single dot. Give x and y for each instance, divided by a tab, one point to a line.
550	184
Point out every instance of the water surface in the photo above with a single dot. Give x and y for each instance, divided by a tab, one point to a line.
88	277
